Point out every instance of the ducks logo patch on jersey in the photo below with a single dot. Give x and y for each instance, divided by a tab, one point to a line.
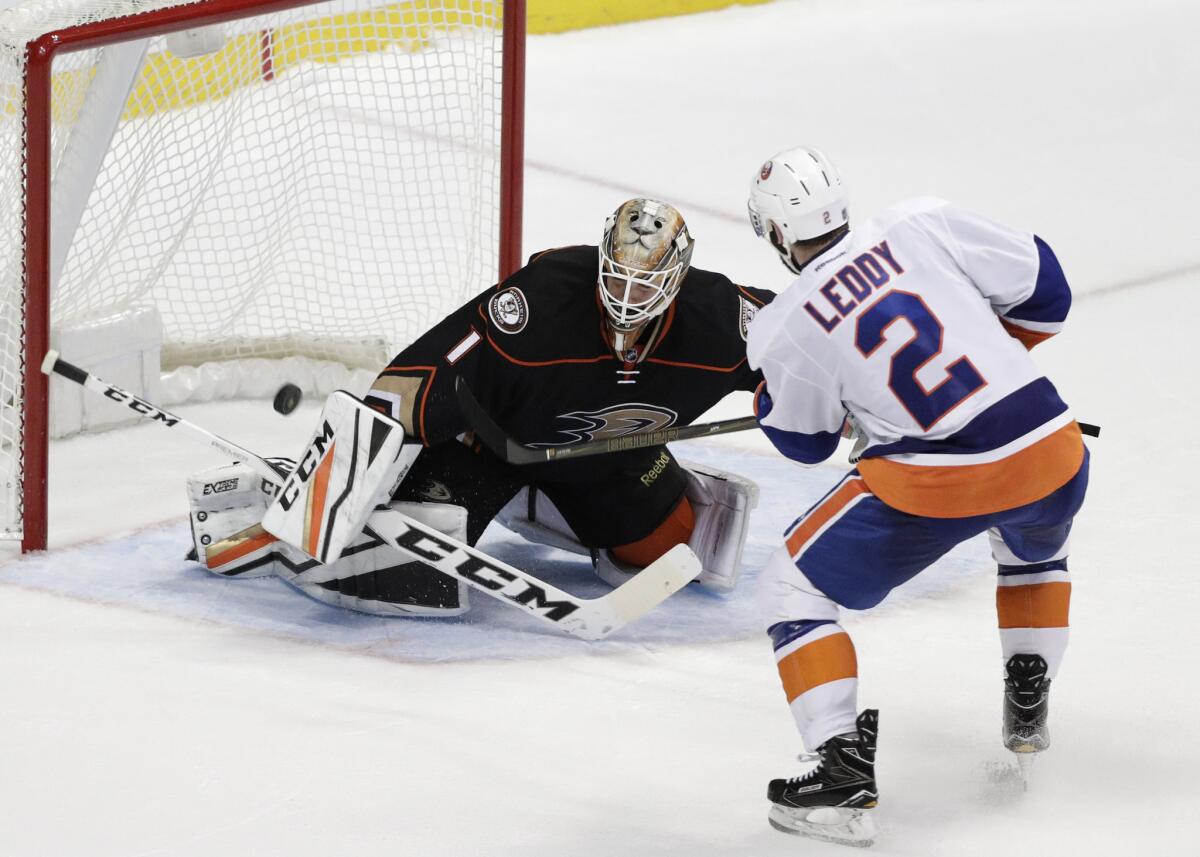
509	310
616	421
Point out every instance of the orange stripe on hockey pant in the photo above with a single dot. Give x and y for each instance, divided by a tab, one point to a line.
978	489
821	515
216	556
1034	605
819	662
675	530
316	500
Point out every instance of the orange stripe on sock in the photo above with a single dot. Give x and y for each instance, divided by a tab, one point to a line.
1034	605
820	662
675	530
320	487
821	515
978	489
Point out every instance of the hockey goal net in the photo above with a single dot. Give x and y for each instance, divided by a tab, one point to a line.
267	179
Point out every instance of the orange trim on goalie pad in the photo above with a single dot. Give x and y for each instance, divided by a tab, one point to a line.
963	491
823	514
1034	605
316	501
675	530
217	556
819	662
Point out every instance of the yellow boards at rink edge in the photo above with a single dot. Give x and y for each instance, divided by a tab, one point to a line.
558	16
168	82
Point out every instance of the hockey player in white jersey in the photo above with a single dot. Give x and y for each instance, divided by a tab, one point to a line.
912	329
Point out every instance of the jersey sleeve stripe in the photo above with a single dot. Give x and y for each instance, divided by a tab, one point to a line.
750	296
1051	298
1028	338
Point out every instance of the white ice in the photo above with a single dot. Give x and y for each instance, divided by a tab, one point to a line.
148	709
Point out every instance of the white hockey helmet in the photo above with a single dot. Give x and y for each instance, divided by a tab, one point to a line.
644	256
797	195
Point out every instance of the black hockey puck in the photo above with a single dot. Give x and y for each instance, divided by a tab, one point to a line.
287	398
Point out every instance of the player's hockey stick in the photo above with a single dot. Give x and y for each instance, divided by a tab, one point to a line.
499	442
510	450
587	618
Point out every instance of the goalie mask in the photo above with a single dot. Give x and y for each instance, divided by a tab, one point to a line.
796	196
644	257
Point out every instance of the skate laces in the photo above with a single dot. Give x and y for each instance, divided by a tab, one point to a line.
805	759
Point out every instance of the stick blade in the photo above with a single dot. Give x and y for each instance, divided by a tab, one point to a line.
643	592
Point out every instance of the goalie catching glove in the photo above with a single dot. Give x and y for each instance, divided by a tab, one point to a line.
309	531
227	505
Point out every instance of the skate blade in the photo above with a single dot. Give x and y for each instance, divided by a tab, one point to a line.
843	825
1025	767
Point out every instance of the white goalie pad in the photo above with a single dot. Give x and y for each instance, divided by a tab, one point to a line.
542	524
353	463
722	502
227	505
369	555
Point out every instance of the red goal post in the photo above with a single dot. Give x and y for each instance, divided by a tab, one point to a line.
408	145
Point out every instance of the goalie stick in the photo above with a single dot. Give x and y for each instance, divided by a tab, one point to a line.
512	451
499	442
586	618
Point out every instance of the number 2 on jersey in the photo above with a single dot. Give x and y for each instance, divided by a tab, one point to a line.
925	406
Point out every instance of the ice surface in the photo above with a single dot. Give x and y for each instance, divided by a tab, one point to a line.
147	570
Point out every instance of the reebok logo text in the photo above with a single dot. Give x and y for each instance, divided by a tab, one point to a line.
660	464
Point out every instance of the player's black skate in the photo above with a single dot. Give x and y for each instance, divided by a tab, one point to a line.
1026	704
832	801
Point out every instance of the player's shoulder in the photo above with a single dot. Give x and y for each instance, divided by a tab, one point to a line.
710	320
920	209
548	309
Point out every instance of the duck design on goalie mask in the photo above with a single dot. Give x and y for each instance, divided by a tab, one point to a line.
644	257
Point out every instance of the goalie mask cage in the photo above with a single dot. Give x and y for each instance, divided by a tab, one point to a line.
271	177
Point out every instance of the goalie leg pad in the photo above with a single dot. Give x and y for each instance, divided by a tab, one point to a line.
722	502
226	505
535	518
354	461
371	577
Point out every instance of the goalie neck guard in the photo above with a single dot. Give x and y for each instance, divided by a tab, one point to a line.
644	256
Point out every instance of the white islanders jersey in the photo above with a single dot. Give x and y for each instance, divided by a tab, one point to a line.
917	325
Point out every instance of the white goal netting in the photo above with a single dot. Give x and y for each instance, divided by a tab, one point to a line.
321	182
